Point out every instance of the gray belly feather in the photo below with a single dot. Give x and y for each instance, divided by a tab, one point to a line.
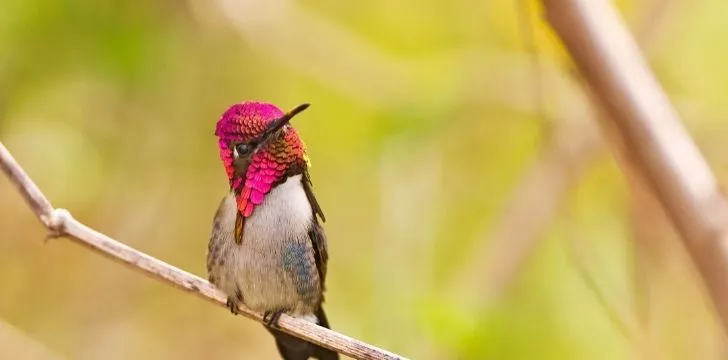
274	267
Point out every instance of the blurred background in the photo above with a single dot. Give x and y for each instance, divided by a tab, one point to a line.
474	208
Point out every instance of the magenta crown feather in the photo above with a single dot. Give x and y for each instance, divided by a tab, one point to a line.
247	121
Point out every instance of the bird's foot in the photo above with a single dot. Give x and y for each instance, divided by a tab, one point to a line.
233	302
271	318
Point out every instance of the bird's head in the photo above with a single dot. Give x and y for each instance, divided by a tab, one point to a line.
259	150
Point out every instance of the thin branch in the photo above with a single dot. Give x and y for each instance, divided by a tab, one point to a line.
576	251
665	155
654	16
60	223
572	145
533	205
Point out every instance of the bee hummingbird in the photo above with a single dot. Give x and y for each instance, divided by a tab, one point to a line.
267	249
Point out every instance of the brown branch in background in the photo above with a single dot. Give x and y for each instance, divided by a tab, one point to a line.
654	241
536	200
60	223
630	328
652	233
653	16
534	204
651	130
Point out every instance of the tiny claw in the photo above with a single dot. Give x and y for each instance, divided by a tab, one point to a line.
271	317
234	301
232	304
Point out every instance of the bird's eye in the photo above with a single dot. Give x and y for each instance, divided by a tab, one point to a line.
242	149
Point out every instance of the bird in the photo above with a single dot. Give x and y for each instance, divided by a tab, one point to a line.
267	248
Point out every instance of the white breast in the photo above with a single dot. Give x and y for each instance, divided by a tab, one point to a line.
281	221
284	212
256	267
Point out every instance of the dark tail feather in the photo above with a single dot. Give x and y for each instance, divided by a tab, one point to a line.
293	348
319	352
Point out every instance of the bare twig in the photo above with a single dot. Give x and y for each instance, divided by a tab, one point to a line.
571	146
624	323
60	223
533	205
653	17
664	153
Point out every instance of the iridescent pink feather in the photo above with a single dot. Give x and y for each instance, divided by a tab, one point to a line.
244	122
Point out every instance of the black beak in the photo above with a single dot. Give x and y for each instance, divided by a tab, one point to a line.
279	123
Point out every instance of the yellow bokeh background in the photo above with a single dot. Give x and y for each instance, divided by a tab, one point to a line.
426	116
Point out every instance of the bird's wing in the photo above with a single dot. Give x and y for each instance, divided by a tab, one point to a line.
320	251
316	233
308	187
221	224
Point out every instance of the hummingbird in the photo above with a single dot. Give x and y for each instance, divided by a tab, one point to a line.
267	248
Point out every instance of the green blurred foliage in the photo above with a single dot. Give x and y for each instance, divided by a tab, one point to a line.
110	107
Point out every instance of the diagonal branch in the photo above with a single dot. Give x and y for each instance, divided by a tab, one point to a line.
572	145
652	132
59	222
